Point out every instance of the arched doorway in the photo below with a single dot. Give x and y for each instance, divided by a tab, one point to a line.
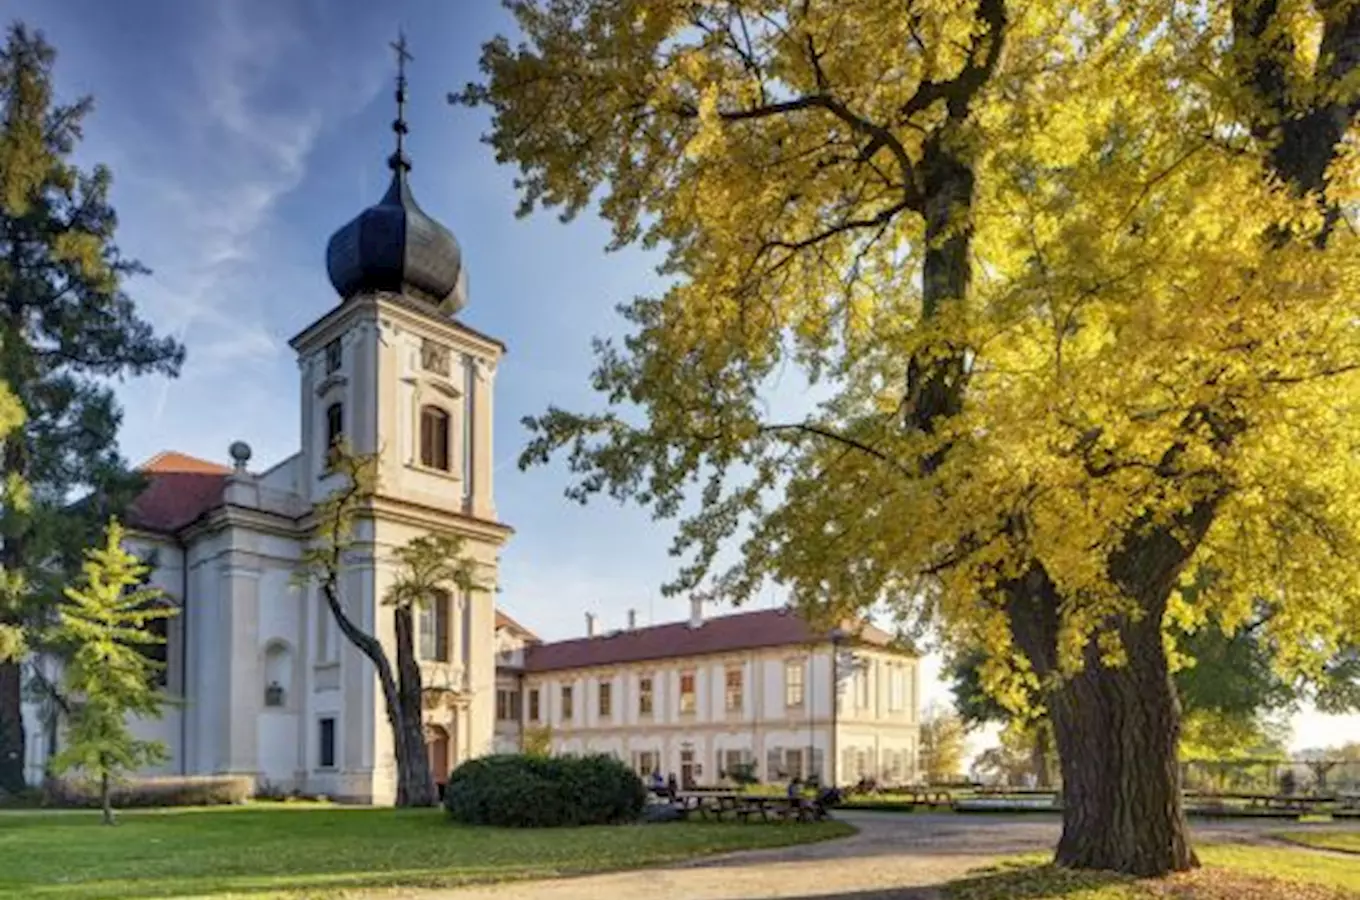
437	747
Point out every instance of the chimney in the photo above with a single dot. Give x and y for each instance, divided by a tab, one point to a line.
590	625
696	612
632	619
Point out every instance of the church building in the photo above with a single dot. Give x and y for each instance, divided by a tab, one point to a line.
263	682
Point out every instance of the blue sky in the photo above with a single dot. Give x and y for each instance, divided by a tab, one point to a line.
241	133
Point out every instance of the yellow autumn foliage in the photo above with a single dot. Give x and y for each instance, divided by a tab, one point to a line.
1152	320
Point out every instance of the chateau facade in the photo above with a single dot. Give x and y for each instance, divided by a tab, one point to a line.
699	698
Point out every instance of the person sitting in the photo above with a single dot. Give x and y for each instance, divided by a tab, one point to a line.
672	787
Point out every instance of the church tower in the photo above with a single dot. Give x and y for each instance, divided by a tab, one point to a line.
392	370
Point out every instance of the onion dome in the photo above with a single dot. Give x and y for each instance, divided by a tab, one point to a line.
394	246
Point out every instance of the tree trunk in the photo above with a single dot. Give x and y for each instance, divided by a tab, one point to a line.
1118	730
415	768
11	729
105	797
371	648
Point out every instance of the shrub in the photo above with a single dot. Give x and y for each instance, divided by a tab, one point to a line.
525	791
173	790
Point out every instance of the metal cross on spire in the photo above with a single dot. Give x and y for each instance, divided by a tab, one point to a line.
398	161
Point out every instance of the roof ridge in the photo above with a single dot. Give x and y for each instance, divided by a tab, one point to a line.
152	464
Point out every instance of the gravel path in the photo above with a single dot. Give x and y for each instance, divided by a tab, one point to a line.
893	857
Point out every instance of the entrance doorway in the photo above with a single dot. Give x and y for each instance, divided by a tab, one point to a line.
687	772
437	750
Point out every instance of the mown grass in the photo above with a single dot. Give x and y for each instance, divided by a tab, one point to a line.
1340	841
283	852
1230	872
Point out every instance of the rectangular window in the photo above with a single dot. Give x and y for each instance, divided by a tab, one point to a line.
732	690
732	761
326	744
606	699
533	705
507	705
645	762
862	688
895	688
568	710
793	684
433	626
335	423
434	438
334	356
687	693
645	695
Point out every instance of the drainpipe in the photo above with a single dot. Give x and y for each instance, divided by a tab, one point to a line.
183	657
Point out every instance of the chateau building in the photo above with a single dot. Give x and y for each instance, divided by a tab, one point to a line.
262	681
700	698
263	684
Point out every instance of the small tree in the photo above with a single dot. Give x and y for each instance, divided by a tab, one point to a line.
942	735
537	741
105	618
424	568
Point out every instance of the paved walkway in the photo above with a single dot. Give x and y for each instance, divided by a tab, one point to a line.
893	857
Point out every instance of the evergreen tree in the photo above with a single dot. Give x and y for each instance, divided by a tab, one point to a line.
66	329
109	675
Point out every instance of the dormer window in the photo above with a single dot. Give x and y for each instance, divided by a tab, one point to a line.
334	357
335	424
434	438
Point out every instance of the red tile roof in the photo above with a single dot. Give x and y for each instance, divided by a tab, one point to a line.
720	634
179	489
504	621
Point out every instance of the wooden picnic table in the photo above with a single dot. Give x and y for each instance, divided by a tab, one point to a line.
720	805
1299	802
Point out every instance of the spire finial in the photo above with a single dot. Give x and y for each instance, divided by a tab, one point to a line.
398	162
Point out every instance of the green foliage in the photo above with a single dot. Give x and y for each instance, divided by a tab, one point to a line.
168	791
67	333
524	791
108	677
743	774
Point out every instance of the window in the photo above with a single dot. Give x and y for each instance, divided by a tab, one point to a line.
326	744
687	695
568	711
335	423
434	627
507	705
645	762
158	653
533	705
895	688
732	762
793	683
434	438
334	356
732	690
645	695
606	699
862	688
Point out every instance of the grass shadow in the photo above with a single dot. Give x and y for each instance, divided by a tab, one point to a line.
1035	881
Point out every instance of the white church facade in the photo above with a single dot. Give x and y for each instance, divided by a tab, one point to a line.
262	682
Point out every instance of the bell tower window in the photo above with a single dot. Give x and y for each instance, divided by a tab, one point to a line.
434	438
335	424
334	357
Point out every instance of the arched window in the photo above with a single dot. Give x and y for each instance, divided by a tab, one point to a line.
434	438
335	423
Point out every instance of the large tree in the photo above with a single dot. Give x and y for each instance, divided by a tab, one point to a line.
1074	277
67	330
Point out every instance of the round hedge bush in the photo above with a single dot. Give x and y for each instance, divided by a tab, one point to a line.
519	791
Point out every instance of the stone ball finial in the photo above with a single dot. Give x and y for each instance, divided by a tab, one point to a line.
240	454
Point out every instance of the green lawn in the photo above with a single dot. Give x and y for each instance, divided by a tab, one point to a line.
1230	872
1343	841
310	852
